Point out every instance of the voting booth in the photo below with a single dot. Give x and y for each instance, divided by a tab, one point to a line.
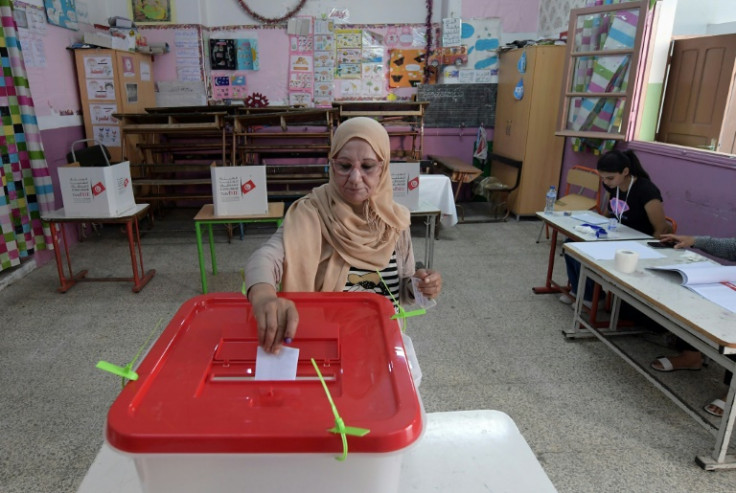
197	419
238	190
98	191
405	181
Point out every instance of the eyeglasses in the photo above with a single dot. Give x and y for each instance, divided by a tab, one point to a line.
344	167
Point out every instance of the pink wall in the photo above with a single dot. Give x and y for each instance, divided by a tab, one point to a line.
518	16
698	190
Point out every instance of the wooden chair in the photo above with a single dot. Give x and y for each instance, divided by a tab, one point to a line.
582	192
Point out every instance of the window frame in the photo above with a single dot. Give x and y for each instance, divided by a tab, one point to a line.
628	113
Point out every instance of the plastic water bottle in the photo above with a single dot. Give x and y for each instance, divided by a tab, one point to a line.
550	199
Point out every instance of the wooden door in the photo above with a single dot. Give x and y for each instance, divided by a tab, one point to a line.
512	115
700	80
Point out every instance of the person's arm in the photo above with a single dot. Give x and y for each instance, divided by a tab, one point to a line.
430	284
266	264
276	317
724	248
680	241
655	213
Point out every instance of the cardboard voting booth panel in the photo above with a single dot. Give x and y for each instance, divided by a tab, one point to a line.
96	191
239	190
405	179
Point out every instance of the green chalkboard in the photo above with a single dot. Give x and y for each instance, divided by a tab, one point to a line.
459	105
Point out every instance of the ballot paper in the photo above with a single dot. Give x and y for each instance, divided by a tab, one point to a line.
280	366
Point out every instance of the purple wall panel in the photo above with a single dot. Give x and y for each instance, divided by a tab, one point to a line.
699	189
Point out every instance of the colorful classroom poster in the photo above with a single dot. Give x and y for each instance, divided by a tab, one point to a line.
301	64
152	10
62	13
220	87
247	58
406	68
223	54
482	36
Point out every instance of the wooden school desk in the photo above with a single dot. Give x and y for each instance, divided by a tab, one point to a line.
206	215
459	172
467	451
708	327
129	219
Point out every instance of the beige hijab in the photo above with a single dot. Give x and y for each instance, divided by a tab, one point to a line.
324	237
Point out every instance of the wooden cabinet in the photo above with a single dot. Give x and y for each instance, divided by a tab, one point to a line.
525	129
112	81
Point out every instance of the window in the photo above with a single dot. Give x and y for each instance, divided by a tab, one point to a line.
604	43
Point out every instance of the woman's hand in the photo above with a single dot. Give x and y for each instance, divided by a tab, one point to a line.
680	241
430	282
277	318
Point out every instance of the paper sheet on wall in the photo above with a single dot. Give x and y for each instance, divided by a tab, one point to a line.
101	114
451	30
181	93
107	135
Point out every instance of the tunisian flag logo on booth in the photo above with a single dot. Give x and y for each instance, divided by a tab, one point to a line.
98	188
413	183
247	186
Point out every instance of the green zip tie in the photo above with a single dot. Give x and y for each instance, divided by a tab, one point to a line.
339	423
242	287
403	314
126	372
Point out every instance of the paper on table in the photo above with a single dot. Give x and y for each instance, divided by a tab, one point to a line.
714	282
590	218
606	250
280	366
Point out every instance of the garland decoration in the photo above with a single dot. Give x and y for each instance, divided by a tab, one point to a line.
274	20
428	35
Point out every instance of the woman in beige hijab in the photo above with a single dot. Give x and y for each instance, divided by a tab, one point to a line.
338	236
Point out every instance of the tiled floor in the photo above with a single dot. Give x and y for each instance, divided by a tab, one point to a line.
594	423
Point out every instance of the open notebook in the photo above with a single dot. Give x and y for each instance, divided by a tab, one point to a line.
714	282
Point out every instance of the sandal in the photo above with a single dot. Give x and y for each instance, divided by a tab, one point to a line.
667	366
717	404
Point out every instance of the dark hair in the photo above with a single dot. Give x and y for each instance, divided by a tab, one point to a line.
615	161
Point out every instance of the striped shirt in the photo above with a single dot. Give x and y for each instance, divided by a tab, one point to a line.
369	281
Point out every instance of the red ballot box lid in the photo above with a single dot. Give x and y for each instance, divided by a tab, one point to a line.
196	391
